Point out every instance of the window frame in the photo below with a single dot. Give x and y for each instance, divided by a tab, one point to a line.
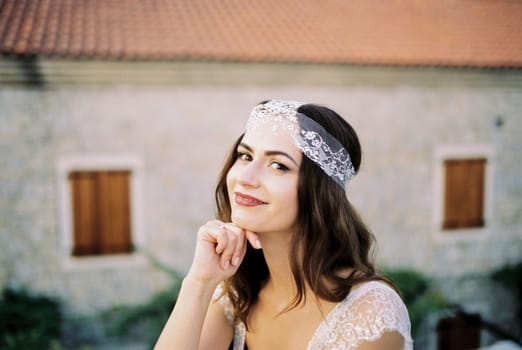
66	165
462	152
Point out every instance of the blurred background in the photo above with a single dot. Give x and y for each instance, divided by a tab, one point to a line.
115	118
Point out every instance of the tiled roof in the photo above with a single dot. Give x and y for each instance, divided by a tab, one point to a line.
475	33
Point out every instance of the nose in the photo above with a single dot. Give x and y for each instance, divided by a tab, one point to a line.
249	175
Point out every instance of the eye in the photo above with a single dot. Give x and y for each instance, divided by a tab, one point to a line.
244	156
279	166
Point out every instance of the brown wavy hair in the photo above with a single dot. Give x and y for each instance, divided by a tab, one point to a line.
330	235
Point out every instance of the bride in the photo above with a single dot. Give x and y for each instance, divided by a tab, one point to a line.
287	265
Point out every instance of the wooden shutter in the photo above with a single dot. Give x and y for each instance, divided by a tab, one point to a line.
84	203
464	193
115	212
101	212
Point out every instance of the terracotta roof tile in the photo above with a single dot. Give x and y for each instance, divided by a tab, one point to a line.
479	33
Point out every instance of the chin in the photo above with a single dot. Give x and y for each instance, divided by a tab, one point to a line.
246	223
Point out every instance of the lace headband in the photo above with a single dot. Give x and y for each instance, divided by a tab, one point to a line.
308	135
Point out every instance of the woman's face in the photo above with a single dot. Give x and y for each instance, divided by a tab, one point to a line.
262	183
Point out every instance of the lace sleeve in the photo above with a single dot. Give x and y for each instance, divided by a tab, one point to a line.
365	314
221	298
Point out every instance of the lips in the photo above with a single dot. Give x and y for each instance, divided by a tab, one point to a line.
247	201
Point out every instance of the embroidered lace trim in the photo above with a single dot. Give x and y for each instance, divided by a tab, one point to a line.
364	315
308	135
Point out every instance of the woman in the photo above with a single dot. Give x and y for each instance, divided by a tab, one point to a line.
305	280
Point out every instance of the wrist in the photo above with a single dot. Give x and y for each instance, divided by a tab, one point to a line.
199	285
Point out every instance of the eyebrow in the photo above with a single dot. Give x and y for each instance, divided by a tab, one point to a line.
270	153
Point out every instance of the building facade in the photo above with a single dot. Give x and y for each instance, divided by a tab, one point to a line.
173	138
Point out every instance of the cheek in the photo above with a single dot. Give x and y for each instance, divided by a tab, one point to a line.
288	209
230	179
289	193
294	196
293	202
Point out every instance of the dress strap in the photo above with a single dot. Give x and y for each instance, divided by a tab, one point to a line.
239	328
221	298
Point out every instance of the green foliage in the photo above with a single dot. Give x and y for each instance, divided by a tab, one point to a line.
145	321
418	295
28	321
410	283
510	276
428	302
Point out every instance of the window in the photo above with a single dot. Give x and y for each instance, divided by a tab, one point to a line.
464	181
100	211
101	207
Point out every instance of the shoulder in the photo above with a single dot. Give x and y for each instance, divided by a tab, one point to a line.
374	295
367	313
377	298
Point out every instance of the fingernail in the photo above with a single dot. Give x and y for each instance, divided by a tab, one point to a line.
236	261
227	264
258	244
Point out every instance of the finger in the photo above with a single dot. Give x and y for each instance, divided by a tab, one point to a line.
207	234
240	250
228	254
254	240
221	238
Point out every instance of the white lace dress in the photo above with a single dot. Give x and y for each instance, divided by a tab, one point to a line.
364	315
